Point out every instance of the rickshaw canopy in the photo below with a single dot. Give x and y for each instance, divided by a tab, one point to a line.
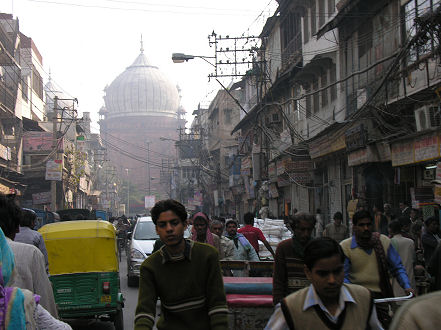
80	246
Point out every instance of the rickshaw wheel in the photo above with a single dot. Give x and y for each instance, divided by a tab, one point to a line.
119	320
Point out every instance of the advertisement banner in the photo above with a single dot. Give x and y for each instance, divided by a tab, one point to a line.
54	170
149	201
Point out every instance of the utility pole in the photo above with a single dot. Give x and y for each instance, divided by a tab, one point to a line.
148	167
55	153
128	192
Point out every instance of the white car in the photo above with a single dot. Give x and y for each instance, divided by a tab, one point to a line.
141	246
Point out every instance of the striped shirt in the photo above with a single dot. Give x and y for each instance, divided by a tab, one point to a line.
190	287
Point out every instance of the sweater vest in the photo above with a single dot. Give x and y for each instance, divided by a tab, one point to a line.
364	267
354	317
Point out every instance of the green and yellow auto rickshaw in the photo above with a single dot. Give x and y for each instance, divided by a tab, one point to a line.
84	270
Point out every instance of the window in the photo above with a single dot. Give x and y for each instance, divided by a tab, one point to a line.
308	102
333	77
37	83
313	18
412	10
316	95
331	7
321	9
227	116
24	90
324	84
290	28
306	28
365	39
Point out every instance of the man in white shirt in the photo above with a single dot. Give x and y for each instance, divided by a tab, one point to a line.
327	302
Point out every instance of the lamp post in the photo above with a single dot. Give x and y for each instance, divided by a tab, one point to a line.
181	58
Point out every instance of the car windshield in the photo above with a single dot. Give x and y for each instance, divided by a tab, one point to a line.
145	230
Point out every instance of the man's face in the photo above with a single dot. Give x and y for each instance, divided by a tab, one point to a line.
337	221
231	229
217	229
363	230
200	226
327	277
387	209
413	214
402	206
303	231
433	227
170	228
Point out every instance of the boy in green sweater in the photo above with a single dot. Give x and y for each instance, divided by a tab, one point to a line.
185	275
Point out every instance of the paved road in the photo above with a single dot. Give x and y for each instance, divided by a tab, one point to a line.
131	298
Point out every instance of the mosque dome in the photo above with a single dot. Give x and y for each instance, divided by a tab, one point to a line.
141	90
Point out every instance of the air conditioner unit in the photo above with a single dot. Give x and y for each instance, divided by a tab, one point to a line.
427	117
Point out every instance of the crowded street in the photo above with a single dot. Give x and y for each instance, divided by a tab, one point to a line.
240	165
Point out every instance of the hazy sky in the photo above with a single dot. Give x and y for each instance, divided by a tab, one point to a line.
86	43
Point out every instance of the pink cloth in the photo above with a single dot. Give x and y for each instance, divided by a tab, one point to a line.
208	234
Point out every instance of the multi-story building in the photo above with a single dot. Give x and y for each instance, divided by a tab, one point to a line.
347	106
11	125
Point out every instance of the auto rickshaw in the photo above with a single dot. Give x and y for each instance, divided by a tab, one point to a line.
84	270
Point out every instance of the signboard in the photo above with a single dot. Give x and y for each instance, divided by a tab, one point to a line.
426	148
273	192
245	168
272	170
438	172
41	198
54	170
327	144
420	149
280	167
149	201
38	141
5	152
402	153
83	185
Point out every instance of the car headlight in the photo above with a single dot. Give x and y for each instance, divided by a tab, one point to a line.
135	254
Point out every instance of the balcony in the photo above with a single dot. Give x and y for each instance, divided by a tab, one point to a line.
292	53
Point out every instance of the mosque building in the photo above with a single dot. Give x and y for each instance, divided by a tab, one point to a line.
139	124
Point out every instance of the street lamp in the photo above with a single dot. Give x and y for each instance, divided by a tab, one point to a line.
181	58
167	139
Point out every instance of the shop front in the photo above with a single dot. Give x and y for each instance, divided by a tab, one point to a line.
417	170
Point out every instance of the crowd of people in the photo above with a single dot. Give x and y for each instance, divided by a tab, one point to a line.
324	276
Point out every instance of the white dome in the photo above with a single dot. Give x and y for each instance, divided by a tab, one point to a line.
141	90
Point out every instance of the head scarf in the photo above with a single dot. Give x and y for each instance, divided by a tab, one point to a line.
208	235
12	300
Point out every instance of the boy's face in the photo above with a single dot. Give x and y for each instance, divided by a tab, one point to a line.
170	228
327	277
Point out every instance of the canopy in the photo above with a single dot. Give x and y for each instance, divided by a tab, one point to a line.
80	246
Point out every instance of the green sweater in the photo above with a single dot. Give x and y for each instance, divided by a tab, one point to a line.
190	288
